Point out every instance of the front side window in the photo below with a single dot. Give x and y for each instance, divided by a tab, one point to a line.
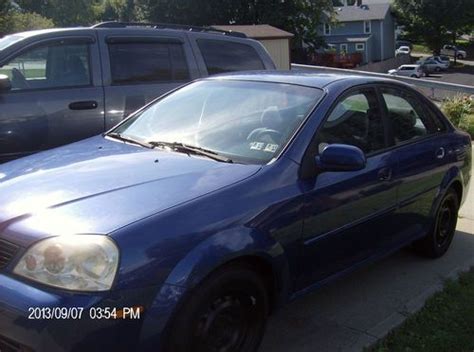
356	120
225	56
50	66
135	63
409	117
245	121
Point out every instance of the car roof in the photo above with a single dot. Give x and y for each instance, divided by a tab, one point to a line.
411	66
314	80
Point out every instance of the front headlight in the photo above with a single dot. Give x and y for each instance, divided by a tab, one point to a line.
72	262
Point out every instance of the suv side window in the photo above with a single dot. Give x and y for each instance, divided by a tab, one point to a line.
147	62
50	66
225	56
356	120
409	116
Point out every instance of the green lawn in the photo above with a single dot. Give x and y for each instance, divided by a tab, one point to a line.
446	323
29	73
420	48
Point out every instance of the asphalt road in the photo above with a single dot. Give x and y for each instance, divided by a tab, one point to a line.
355	311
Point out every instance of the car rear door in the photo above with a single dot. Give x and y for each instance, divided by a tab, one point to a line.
139	65
423	154
56	96
347	213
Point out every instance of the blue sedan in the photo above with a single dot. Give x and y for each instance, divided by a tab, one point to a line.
186	225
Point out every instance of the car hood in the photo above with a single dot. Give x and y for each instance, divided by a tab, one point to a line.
99	185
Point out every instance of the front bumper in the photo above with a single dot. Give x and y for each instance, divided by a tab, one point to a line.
24	332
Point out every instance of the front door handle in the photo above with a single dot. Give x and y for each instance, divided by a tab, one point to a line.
440	153
384	174
83	105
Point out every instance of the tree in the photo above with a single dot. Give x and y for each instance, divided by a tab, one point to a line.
65	13
123	10
300	17
28	21
435	21
5	20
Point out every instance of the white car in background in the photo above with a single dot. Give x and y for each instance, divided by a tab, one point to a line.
403	50
452	50
414	71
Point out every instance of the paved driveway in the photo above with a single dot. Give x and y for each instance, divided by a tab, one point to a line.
356	310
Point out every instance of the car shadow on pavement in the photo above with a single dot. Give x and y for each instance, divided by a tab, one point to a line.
342	314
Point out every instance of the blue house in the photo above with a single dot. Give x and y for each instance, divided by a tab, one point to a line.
368	29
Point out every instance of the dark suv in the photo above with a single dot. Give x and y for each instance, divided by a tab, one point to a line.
61	85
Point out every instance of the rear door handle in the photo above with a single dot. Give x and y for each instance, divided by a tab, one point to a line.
384	174
83	105
440	153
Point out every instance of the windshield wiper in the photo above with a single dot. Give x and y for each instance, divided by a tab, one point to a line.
120	137
188	149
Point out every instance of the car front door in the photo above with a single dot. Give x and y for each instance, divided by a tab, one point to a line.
56	96
422	150
347	213
139	67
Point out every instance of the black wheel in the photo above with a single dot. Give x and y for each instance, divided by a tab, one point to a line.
437	242
460	57
226	313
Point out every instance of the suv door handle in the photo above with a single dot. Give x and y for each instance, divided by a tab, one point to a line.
440	153
83	105
384	174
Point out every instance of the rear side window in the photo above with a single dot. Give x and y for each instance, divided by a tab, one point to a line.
409	116
135	63
224	56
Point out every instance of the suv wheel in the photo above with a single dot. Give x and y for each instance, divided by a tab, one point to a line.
460	56
227	312
437	242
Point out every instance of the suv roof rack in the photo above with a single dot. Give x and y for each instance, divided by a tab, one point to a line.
114	24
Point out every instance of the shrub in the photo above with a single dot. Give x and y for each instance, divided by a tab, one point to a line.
460	110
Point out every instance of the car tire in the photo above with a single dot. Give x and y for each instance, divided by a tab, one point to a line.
414	76
226	312
438	240
460	57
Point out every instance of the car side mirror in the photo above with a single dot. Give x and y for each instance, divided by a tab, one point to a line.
341	157
5	84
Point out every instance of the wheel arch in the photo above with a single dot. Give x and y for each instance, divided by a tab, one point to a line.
452	179
236	247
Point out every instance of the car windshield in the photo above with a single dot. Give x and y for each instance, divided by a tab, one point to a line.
245	121
9	40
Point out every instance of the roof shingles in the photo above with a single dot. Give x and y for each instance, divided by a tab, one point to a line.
356	13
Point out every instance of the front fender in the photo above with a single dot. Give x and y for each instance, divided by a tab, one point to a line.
224	247
207	256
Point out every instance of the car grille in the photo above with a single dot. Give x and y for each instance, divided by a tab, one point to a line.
7	252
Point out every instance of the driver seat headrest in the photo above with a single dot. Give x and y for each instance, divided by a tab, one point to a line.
271	118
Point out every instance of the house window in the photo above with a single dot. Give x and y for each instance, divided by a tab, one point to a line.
327	29
367	27
343	48
360	46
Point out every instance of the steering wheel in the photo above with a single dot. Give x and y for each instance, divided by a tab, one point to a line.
258	133
18	80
